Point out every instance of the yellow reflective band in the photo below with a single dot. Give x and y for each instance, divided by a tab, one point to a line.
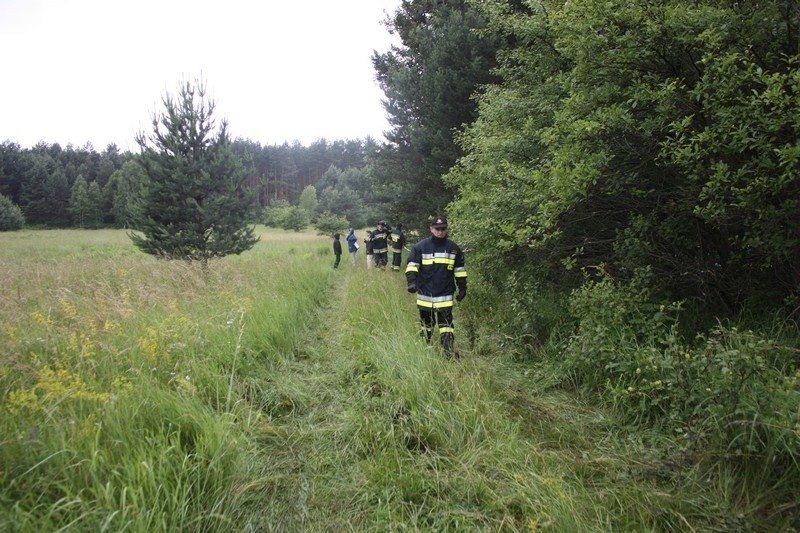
438	261
446	329
434	305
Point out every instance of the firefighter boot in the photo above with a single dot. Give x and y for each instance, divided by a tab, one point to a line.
447	345
426	334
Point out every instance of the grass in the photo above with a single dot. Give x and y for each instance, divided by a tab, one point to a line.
272	393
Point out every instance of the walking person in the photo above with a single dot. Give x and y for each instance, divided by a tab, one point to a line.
337	250
352	246
398	240
435	269
369	253
380	246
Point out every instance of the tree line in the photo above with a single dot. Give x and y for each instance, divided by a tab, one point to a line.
54	186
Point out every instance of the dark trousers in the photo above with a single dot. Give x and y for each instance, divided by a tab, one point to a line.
381	259
444	319
396	260
337	258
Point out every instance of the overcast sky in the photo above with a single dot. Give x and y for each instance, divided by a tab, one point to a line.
78	71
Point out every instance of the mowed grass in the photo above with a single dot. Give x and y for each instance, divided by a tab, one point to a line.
272	393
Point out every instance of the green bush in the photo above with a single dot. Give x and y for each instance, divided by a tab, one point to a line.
274	215
328	224
727	393
11	217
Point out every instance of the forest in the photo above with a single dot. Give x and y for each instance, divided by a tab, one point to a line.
56	186
625	178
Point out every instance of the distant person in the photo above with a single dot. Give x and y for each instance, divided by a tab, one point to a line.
380	247
352	245
398	240
337	250
434	270
369	252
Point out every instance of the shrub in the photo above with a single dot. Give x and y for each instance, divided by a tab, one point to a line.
328	224
296	219
11	217
274	215
727	393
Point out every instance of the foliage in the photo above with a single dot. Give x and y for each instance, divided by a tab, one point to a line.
328	224
272	173
195	206
44	192
308	201
730	394
281	172
11	217
86	203
743	159
429	82
40	179
126	190
295	219
638	136
348	193
276	213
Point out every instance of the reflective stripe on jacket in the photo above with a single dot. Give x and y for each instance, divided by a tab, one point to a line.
436	267
379	245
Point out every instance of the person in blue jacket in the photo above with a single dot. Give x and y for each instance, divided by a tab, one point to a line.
352	246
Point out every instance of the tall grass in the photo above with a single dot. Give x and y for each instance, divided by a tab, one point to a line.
125	379
272	393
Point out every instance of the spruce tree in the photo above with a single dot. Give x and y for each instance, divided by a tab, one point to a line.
195	206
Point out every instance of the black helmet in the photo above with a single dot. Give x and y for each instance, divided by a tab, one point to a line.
440	222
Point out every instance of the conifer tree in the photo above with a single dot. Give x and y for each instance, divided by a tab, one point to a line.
195	206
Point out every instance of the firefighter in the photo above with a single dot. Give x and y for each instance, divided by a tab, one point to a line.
434	270
380	247
398	240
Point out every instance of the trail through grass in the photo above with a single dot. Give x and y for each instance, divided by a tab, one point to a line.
384	434
271	393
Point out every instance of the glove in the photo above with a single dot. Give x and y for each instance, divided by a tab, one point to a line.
462	292
412	287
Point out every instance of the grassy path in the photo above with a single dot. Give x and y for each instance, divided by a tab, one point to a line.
379	433
274	394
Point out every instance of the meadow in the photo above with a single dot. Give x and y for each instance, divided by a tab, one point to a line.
270	392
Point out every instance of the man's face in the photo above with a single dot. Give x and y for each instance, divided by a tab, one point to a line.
439	232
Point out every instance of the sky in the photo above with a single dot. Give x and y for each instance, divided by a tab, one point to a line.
95	71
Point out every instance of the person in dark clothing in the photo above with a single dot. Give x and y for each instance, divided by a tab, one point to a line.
380	247
435	269
398	240
368	250
337	250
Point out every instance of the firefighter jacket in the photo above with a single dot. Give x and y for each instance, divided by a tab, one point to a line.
379	238
436	267
398	240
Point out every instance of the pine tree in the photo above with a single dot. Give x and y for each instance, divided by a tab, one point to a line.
195	206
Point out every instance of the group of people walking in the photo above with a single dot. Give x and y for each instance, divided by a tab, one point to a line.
377	243
435	272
